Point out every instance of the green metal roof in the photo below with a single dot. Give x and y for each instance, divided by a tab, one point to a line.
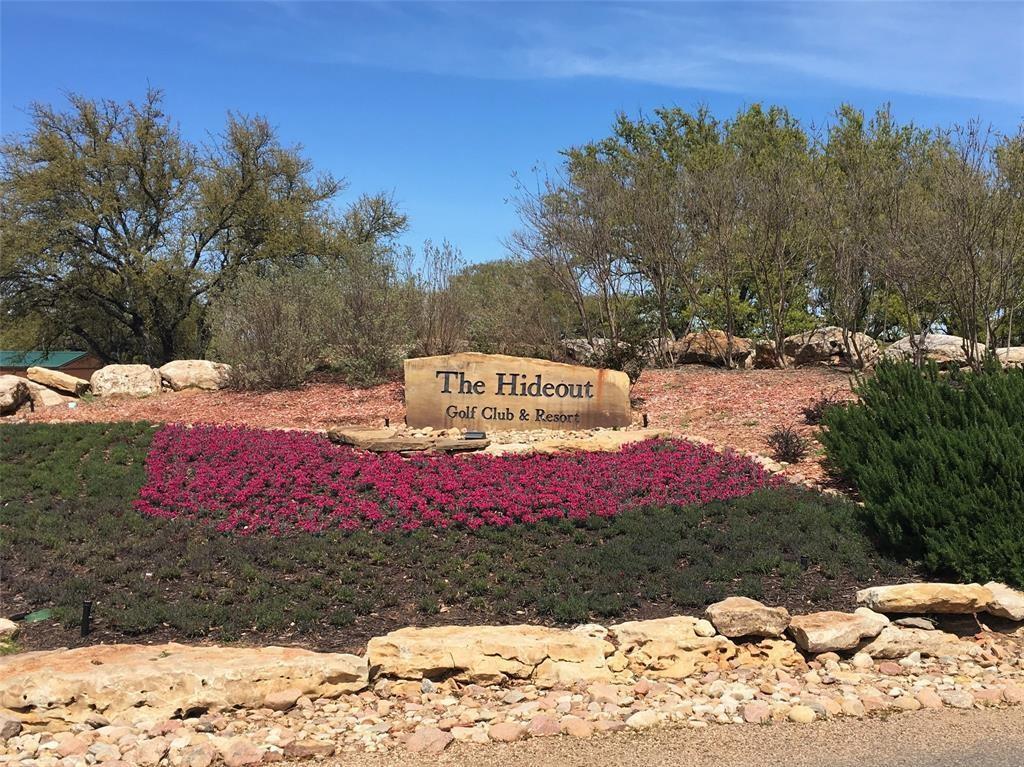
9	359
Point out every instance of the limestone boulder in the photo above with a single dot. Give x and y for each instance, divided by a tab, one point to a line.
710	347
831	631
584	351
126	380
926	598
740	616
899	642
195	374
44	396
775	653
491	654
672	648
1011	356
149	682
1006	602
765	356
604	440
55	379
13	393
827	346
946	351
8	630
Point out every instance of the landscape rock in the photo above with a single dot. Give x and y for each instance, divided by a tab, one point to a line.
673	647
506	732
642	720
898	642
544	726
9	727
308	748
802	714
765	356
576	727
429	740
1011	356
604	440
926	598
13	393
826	346
1005	602
56	379
491	654
282	700
946	351
957	698
43	396
195	374
239	752
757	712
831	631
913	622
8	629
740	616
709	347
159	681
127	380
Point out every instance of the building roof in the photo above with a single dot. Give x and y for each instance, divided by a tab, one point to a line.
35	358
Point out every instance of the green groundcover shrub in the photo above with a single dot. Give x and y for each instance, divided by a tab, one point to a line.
939	462
68	532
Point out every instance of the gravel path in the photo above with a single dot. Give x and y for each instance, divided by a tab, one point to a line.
992	738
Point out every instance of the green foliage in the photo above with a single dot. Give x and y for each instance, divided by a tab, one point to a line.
265	327
512	307
67	532
349	313
939	462
117	232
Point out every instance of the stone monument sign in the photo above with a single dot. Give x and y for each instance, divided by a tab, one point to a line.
495	392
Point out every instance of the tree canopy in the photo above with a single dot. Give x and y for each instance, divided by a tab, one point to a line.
118	233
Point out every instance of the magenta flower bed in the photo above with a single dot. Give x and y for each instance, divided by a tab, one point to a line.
246	480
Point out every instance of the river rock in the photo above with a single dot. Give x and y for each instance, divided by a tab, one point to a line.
740	616
429	740
672	648
139	682
195	374
1005	602
826	346
128	380
58	380
13	393
926	598
831	631
491	654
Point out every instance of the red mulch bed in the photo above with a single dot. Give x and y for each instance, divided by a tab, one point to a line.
736	408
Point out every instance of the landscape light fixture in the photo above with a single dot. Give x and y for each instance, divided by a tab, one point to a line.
86	616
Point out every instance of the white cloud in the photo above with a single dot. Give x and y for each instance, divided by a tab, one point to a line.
965	50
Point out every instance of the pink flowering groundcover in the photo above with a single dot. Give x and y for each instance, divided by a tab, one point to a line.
241	480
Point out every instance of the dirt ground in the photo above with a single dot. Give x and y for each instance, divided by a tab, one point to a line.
736	408
947	738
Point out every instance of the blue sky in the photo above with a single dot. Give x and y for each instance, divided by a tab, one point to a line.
442	103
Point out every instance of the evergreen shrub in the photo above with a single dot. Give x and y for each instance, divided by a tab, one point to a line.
939	462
